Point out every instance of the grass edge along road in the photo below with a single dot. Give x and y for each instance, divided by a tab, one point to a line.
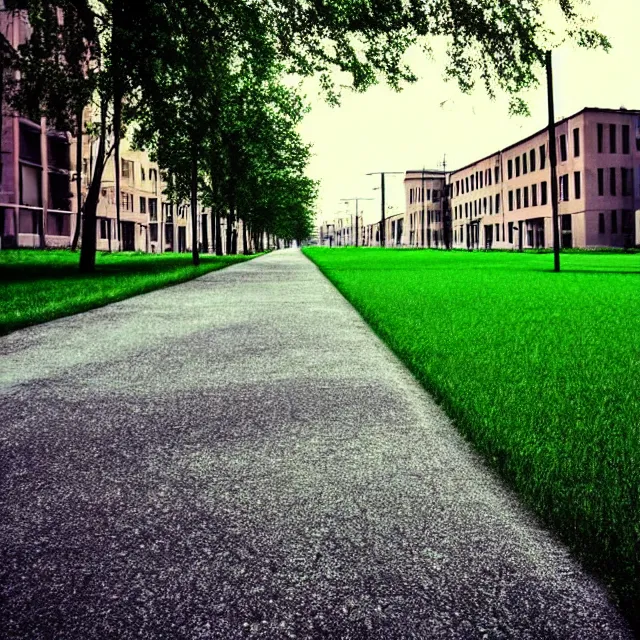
540	371
41	285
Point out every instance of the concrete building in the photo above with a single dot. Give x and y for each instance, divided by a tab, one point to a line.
504	200
424	198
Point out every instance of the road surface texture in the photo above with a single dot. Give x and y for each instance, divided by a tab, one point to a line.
240	456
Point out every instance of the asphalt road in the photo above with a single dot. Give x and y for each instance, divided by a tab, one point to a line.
240	456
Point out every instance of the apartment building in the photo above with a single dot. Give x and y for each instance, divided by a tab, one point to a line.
504	200
36	207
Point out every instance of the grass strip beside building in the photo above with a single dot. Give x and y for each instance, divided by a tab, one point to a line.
38	286
541	371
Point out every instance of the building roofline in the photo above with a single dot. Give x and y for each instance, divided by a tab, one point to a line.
537	133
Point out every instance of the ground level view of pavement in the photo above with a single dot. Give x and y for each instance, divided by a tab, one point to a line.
240	456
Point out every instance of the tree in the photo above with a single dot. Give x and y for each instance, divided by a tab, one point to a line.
122	55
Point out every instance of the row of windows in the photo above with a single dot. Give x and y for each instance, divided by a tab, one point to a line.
478	207
626	181
527	162
128	201
613	138
522	196
627	222
417	195
477	180
128	168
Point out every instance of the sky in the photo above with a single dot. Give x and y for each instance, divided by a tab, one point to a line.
382	130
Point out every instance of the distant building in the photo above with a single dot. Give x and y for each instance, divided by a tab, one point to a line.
504	200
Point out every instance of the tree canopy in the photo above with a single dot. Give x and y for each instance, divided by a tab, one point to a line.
202	80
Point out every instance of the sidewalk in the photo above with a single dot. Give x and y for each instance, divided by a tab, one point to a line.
240	456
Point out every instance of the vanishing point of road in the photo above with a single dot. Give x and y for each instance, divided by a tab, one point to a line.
240	456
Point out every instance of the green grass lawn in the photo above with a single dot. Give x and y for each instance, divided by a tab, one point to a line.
541	371
37	286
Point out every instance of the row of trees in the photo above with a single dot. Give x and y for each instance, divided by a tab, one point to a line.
200	83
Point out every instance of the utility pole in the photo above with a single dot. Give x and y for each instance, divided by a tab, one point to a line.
382	174
553	162
346	200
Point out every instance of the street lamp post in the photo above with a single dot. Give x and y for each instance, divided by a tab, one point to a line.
346	200
382	191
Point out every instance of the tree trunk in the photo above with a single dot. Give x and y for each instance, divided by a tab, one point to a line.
229	231
245	244
76	233
117	109
117	120
218	234
88	249
194	206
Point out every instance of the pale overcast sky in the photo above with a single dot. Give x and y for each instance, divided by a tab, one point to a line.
384	130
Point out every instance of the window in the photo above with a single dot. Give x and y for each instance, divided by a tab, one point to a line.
457	187
518	199
497	203
517	166
466	180
563	148
612	181
488	179
543	156
127	169
142	174
543	193
497	174
475	208
564	187
484	205
59	192
524	163
627	221
576	185
481	180
466	209
601	223
153	232
461	234
600	182
127	201
428	194
153	209
625	138
624	181
497	233
510	200
534	195
510	169
576	143
30	186
410	196
612	138
104	229
525	194
600	137
511	233
30	149
490	205
614	221
143	205
532	160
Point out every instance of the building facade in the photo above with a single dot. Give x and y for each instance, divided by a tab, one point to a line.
504	200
